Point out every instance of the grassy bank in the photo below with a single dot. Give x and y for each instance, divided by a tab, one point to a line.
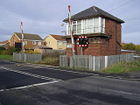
123	67
6	57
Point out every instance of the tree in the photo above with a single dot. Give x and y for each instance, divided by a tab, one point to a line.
138	48
129	46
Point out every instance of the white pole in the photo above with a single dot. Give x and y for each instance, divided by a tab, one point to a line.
70	28
21	27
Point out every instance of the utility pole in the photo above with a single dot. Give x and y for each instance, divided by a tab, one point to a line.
71	30
21	28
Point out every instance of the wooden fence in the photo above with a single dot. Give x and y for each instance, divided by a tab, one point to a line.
94	63
24	57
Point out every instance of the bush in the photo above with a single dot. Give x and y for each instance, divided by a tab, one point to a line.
129	46
138	48
9	51
30	52
2	48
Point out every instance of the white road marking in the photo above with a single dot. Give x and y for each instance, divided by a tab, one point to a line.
28	86
52	80
30	74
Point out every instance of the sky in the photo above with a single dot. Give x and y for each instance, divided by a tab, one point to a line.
45	17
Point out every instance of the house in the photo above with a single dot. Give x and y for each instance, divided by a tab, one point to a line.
102	30
5	44
56	42
29	40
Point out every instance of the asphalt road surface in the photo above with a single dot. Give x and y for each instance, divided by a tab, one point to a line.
22	84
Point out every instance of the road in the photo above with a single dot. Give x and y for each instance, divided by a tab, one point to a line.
22	84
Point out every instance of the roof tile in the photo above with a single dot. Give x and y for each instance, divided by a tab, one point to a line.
4	42
94	12
58	37
28	36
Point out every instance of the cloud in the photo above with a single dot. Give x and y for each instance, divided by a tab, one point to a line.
131	37
43	10
45	16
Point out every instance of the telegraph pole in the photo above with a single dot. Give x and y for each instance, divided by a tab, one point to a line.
70	29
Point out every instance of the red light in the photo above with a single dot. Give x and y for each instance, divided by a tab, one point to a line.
79	45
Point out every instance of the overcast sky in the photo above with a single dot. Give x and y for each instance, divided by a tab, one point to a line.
45	17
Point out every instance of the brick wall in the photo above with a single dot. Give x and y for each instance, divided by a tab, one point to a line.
113	28
107	46
13	40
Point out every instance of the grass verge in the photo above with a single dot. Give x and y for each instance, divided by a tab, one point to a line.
6	57
123	67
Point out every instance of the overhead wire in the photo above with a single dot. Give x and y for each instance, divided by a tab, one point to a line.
121	5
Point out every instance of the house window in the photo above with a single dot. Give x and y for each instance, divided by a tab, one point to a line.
79	26
60	43
68	29
69	45
96	25
64	43
91	25
34	42
102	25
25	42
39	43
87	26
74	27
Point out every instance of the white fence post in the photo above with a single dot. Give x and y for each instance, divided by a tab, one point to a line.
106	61
94	64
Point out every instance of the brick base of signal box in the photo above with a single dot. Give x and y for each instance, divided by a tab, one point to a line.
105	47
